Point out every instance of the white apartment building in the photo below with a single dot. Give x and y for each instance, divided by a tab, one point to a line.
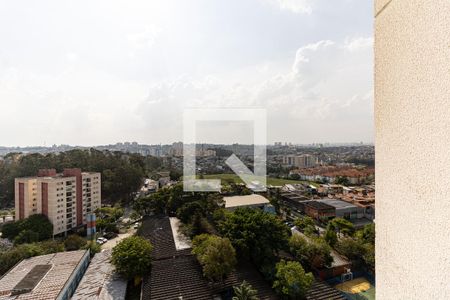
300	161
66	198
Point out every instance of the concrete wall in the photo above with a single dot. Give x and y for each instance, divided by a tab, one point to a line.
412	116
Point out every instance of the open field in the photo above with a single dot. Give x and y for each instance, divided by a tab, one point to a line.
270	180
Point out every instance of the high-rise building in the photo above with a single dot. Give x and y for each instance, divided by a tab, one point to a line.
300	161
66	198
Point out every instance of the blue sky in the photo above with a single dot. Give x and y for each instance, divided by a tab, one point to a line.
97	72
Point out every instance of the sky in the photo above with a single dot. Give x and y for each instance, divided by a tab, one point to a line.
101	72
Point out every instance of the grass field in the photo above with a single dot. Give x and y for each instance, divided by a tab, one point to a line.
237	179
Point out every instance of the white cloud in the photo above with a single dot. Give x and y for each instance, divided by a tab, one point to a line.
357	44
328	87
295	6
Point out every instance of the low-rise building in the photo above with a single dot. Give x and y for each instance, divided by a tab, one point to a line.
319	211
344	209
253	201
51	276
101	282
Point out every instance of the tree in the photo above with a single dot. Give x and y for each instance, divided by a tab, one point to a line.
74	242
245	292
306	225
342	226
352	248
330	237
131	257
255	233
367	234
291	281
186	212
216	255
32	229
312	252
343	180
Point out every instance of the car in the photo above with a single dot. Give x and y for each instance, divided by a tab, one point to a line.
101	240
136	226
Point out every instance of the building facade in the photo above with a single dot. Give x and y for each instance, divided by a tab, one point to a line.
65	198
300	161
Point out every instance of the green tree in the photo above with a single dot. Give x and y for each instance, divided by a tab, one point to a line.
131	257
342	226
306	225
330	237
32	229
216	255
245	292
74	242
291	281
312	252
367	234
255	233
343	180
186	212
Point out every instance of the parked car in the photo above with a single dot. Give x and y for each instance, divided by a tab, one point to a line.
101	240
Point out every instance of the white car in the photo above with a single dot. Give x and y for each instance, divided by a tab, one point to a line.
101	240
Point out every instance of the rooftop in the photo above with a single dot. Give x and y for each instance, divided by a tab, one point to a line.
318	205
338	204
247	200
100	280
40	277
177	273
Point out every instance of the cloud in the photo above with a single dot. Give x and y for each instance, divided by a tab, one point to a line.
360	43
295	6
328	86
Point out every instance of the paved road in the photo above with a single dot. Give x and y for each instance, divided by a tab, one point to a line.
111	243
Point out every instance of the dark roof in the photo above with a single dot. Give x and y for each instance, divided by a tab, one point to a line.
182	276
158	231
178	273
31	279
322	291
319	205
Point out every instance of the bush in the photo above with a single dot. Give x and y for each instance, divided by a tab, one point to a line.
74	242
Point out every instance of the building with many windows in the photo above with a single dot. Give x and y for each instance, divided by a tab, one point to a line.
300	161
65	198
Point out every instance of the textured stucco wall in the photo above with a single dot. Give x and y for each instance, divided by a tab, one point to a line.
412	116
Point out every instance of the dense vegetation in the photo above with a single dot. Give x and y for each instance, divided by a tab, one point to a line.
32	229
122	173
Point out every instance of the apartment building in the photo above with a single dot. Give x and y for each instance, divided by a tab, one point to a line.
300	161
65	198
